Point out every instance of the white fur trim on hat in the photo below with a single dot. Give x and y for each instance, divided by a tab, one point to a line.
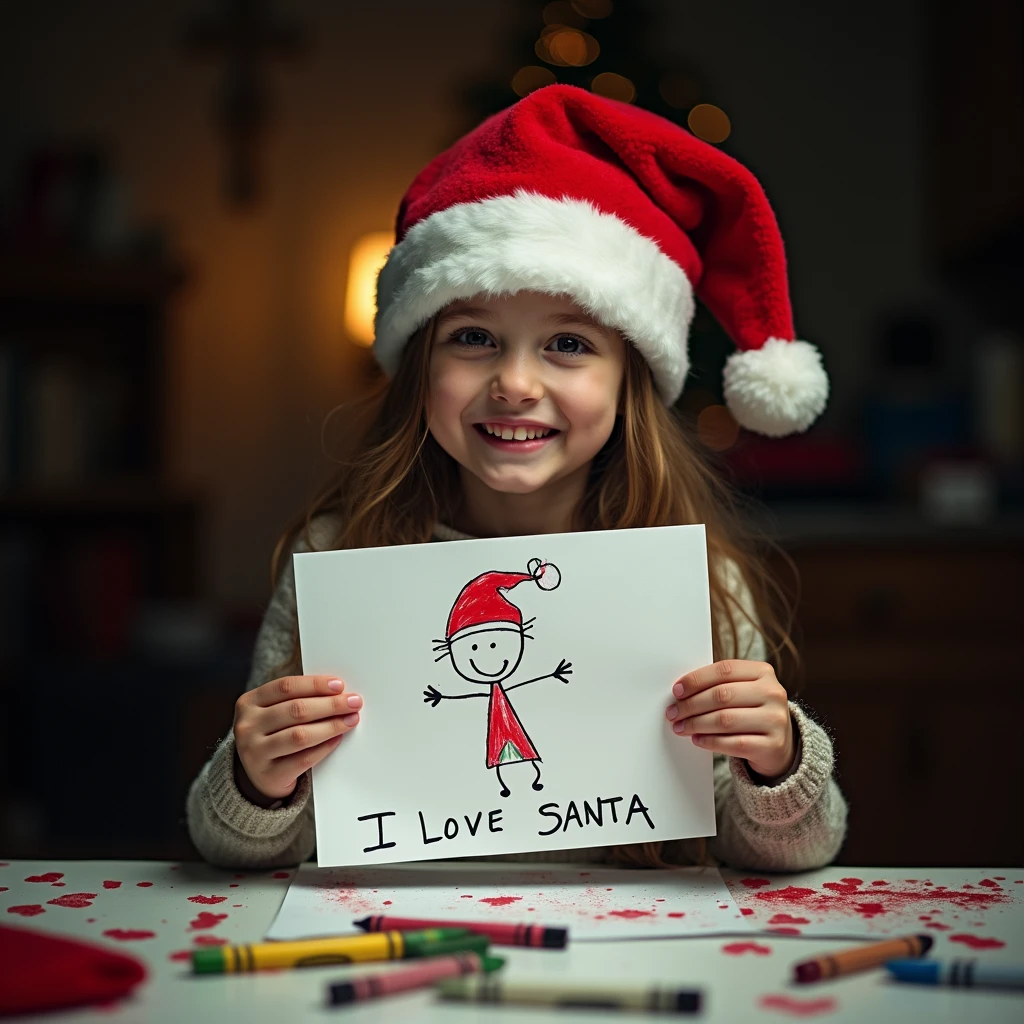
778	389
529	242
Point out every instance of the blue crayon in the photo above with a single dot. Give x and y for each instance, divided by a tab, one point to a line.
958	973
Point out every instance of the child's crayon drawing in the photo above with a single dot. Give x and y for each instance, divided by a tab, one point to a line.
485	639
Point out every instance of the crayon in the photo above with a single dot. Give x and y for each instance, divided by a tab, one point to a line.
344	949
489	989
958	973
861	958
500	934
426	972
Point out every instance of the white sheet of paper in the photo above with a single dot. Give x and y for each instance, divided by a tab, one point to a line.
593	902
630	614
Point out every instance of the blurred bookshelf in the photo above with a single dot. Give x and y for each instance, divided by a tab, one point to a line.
95	542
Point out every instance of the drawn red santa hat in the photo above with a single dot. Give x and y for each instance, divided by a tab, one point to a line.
566	192
482	601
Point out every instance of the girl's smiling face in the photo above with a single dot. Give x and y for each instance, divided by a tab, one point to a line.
523	390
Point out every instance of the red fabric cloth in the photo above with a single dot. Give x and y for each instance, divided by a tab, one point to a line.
503	726
40	971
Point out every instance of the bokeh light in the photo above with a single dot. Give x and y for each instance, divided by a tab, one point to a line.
679	89
561	12
709	122
615	87
525	80
716	428
368	256
567	47
593	8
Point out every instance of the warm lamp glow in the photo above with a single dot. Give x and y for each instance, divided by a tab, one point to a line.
368	256
709	122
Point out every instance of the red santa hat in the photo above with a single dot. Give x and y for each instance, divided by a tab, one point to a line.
482	601
566	192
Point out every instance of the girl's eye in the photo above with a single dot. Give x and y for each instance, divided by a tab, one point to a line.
570	345
471	337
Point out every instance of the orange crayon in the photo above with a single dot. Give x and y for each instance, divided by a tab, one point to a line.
862	958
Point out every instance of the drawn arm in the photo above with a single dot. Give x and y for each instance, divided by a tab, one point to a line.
434	697
561	674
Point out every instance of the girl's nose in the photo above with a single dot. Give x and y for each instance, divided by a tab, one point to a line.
516	380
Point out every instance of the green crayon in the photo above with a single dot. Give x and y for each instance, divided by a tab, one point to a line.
562	995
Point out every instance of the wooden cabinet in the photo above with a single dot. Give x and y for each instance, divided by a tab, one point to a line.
912	661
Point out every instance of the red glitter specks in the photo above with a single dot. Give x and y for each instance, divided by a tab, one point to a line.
206	920
210	940
788	919
27	910
58	885
999	878
499	901
237	905
879	882
3	888
387	903
143	885
990	884
977	941
129	934
660	900
208	900
464	896
786	930
232	885
181	954
737	948
677	913
631	915
77	900
50	876
798	1007
746	912
847	896
90	920
755	883
110	884
281	874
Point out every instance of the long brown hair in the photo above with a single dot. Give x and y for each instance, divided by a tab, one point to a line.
393	482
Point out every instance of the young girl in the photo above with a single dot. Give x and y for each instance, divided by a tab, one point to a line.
532	321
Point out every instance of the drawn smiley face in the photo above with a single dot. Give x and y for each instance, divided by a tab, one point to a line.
488	655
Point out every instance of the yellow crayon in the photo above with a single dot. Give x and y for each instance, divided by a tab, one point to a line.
345	949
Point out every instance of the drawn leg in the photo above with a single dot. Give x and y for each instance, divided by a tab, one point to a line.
537	784
504	788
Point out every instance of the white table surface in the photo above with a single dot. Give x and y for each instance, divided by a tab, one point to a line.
156	919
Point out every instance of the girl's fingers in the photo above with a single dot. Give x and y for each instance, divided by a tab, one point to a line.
718	672
746	746
726	721
745	694
307	709
303	737
294	765
292	687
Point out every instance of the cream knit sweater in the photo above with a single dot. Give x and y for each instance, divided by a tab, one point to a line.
794	824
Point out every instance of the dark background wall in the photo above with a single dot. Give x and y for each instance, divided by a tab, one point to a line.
884	136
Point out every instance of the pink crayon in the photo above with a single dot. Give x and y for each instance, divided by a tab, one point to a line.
422	974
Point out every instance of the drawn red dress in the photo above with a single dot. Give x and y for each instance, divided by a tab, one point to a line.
507	741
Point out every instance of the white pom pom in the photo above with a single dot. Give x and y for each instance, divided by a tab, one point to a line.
547	575
778	389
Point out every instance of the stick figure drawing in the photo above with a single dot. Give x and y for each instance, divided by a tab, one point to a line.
485	639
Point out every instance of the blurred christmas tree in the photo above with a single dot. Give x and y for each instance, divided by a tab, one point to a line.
605	47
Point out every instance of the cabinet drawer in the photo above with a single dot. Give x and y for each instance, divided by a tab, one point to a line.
927	592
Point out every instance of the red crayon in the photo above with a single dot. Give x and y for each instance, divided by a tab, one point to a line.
500	934
426	972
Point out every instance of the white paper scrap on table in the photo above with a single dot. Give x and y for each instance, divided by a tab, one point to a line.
592	901
569	644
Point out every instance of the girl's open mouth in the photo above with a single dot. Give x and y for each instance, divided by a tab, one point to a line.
518	438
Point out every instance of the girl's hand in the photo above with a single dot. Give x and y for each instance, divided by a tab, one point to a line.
737	708
286	726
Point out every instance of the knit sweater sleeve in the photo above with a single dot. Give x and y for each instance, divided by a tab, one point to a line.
796	823
226	828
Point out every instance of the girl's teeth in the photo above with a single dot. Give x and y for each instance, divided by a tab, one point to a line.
515	433
520	433
507	434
